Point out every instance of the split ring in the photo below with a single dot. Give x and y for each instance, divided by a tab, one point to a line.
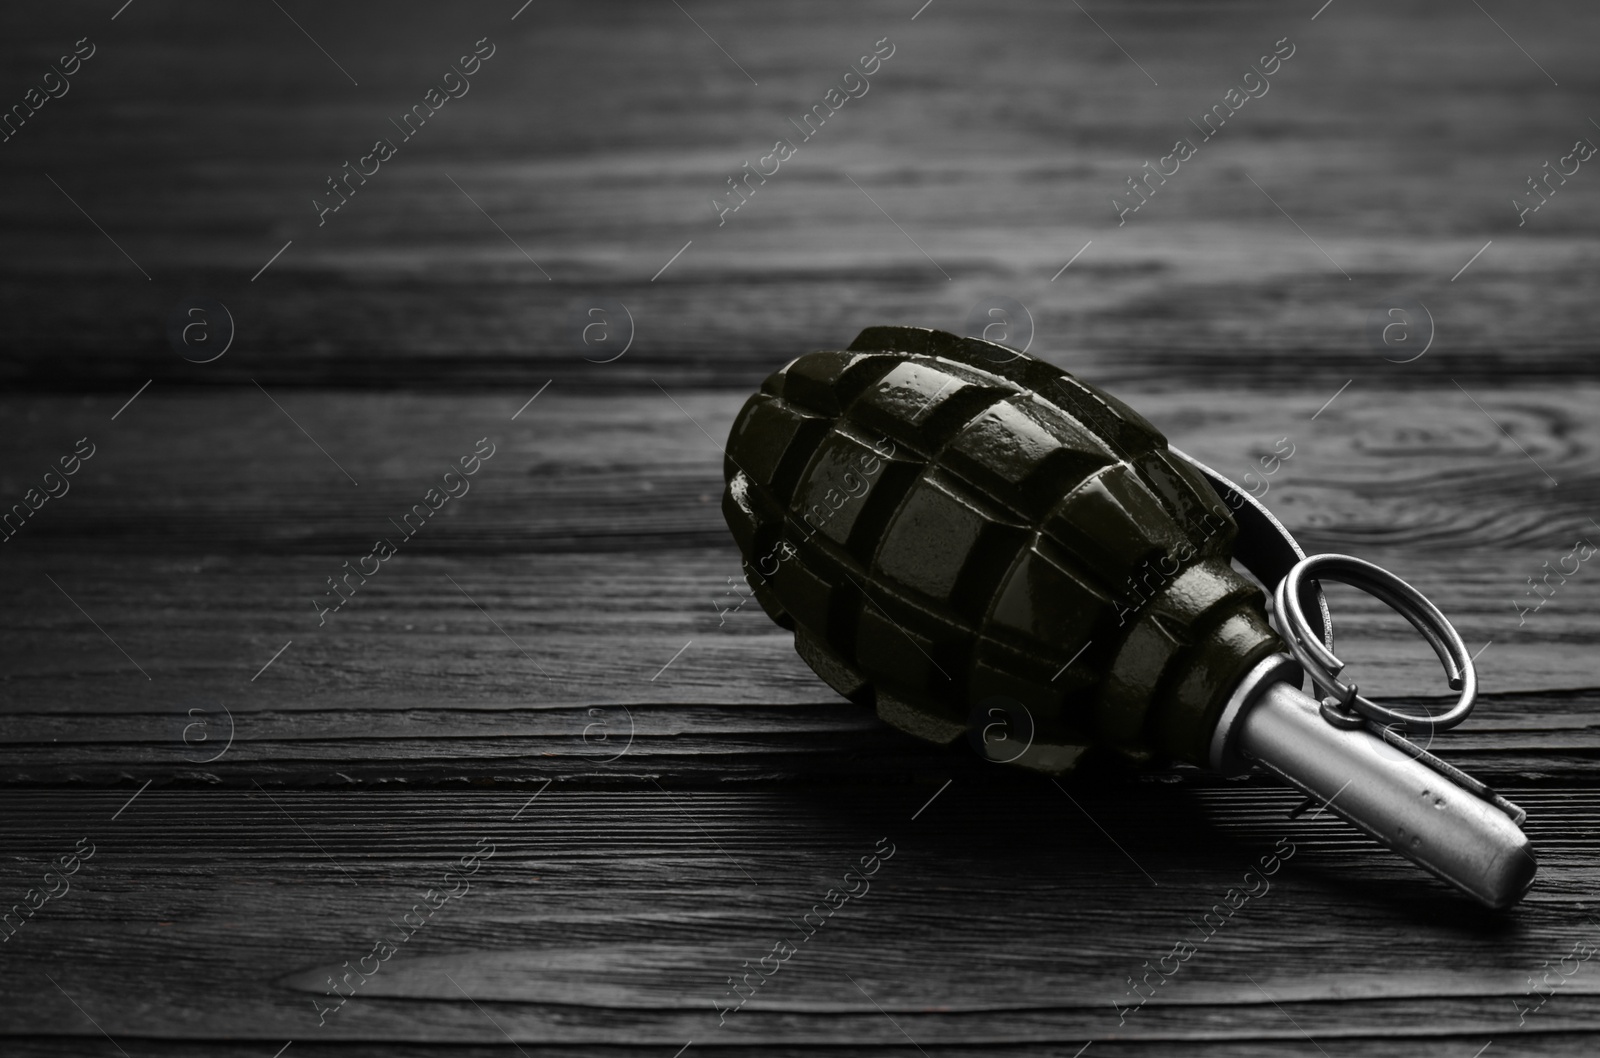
1344	706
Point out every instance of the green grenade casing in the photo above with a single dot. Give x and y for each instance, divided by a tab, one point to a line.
944	522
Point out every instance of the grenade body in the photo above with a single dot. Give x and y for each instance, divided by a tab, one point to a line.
946	523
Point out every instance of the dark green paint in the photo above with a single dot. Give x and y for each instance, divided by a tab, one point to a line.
945	523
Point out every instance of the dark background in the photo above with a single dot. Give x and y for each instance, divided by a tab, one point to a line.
265	794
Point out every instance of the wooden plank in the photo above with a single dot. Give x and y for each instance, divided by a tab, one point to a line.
599	554
577	471
1509	739
596	558
419	641
411	285
1002	917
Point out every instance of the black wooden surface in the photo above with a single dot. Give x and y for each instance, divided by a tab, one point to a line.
551	665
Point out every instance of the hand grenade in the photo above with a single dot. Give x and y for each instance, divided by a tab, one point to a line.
947	524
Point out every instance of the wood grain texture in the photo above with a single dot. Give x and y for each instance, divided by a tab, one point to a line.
1001	918
593	542
548	665
202	161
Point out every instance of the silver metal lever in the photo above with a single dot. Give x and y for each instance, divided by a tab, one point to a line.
1392	796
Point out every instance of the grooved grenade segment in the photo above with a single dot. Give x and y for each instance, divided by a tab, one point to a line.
956	531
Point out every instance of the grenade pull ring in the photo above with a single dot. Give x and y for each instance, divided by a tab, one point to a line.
1344	707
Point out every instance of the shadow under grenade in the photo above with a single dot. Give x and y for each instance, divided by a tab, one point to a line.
956	531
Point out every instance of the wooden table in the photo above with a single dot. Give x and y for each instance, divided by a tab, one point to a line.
550	691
